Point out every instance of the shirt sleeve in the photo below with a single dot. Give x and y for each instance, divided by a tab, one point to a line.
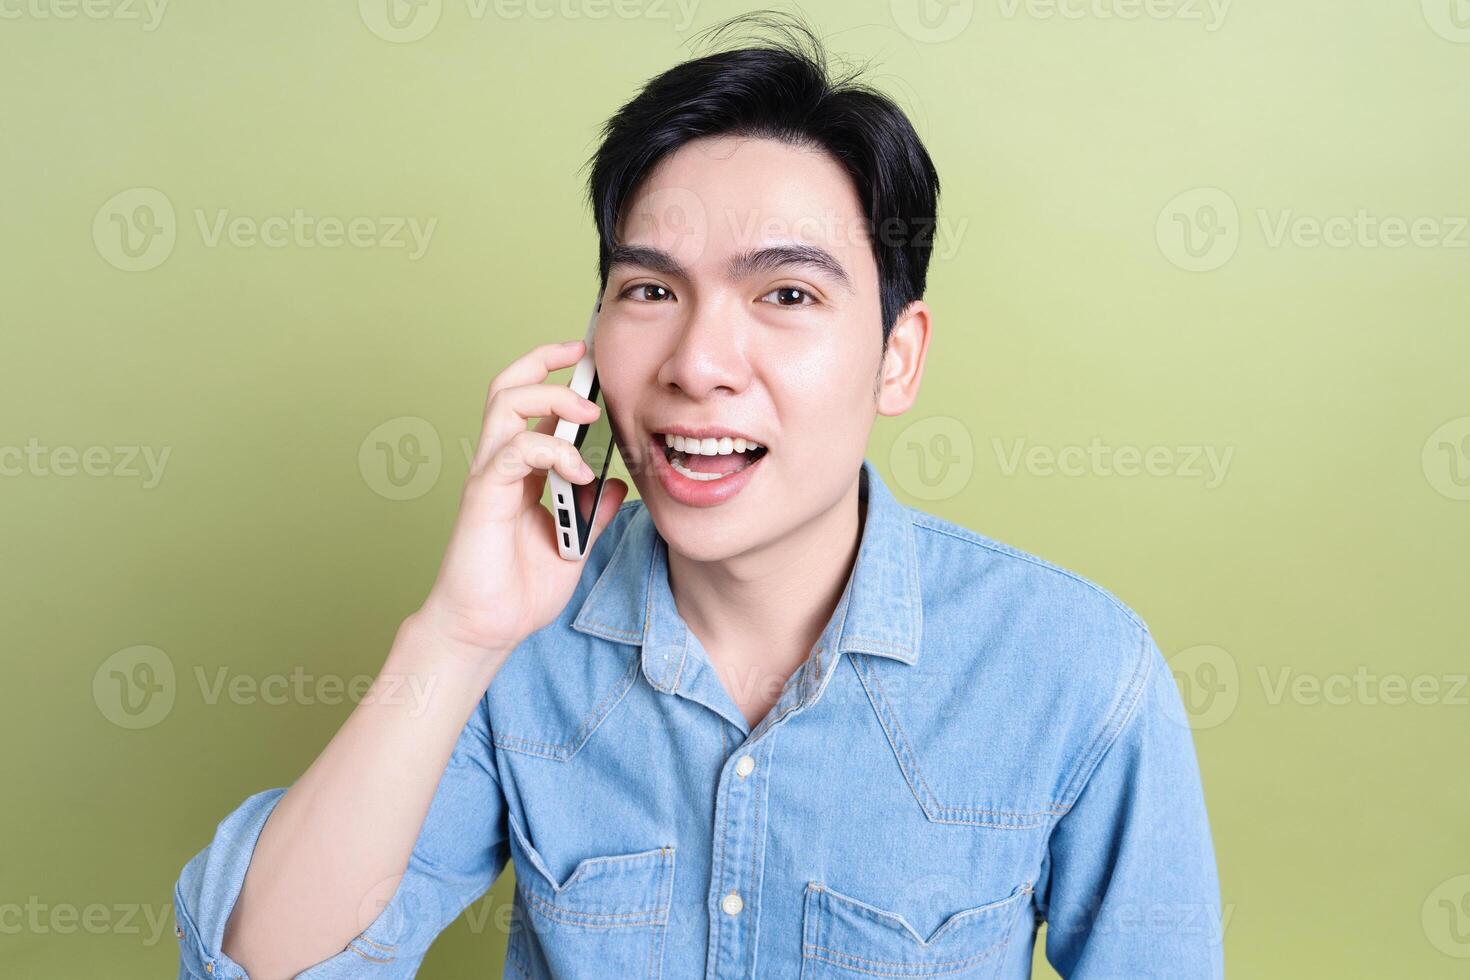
459	852
1132	887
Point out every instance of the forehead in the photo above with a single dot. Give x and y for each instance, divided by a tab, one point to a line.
715	196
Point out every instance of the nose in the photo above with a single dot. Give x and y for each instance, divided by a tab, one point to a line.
709	356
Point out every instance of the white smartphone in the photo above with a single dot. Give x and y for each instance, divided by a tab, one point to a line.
575	504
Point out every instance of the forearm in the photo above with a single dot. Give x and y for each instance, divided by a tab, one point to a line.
330	856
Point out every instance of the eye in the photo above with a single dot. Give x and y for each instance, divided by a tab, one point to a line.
791	296
646	288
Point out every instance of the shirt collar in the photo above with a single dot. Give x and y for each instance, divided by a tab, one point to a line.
879	613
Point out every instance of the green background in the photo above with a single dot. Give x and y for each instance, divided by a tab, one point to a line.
1333	547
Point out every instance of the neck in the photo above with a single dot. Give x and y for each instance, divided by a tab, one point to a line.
765	608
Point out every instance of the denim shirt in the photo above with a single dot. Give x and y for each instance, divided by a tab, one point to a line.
978	742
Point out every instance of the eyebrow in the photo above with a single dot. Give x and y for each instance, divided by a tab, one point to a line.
755	260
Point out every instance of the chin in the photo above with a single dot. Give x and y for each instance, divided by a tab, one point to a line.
701	535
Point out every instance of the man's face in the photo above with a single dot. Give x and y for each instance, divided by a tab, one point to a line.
745	298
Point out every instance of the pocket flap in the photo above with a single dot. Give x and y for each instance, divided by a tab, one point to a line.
848	932
604	891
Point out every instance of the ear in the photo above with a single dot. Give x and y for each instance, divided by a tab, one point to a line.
902	368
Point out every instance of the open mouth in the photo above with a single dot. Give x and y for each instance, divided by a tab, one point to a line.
708	459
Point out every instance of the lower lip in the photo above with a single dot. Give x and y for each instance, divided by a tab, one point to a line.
698	493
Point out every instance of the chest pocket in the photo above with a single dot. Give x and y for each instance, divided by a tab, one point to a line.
608	919
844	938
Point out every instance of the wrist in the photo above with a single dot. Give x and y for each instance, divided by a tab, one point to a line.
428	639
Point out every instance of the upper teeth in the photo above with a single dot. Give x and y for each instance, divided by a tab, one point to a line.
709	447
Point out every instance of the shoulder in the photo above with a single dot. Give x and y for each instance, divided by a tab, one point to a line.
1010	590
1029	638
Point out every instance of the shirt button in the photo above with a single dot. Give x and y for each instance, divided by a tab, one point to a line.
731	903
744	767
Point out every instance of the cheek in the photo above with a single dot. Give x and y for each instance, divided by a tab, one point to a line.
622	365
823	415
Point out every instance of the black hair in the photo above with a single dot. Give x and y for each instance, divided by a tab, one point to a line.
782	90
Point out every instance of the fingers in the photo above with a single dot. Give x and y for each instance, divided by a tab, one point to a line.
535	484
534	365
508	410
528	451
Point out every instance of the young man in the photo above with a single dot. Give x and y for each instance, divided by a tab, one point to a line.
777	724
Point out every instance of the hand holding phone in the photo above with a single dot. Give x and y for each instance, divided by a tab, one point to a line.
504	573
